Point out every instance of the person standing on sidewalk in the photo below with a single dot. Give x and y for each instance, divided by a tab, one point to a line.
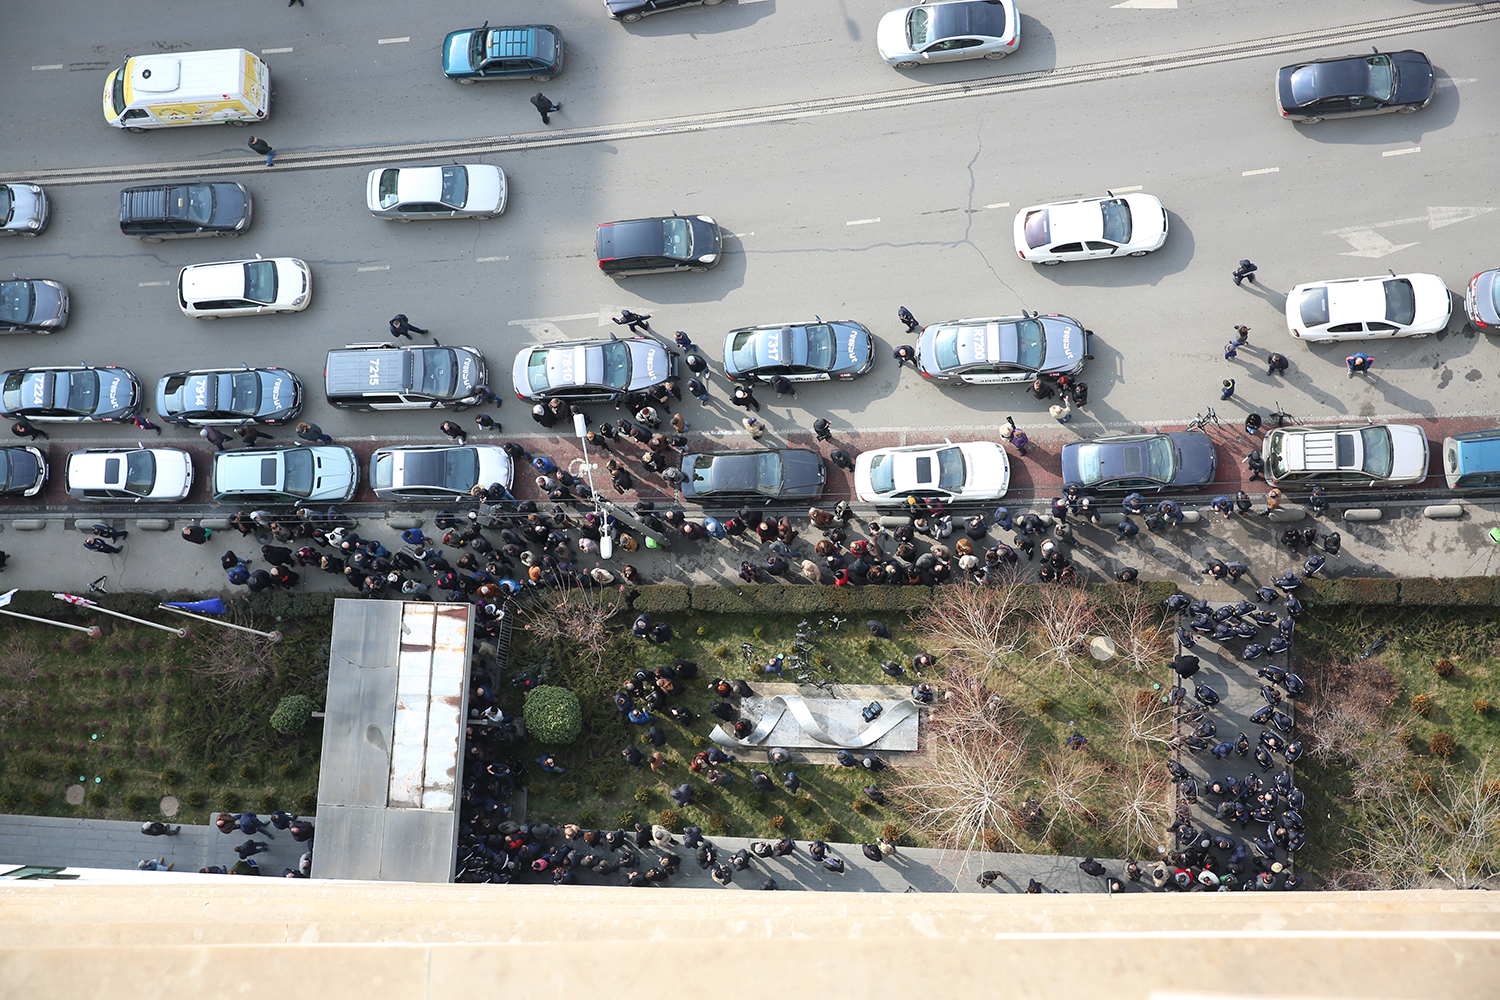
698	390
903	354
822	429
454	431
250	434
155	829
1228	390
1359	364
1245	272
1242	335
26	429
1276	364
215	437
312	433
402	327
1230	350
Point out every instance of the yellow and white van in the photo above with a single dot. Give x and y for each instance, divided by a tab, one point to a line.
224	86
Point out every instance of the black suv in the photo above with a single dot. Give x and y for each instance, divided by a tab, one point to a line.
180	211
644	246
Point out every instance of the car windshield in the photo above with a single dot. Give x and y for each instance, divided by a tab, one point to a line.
1031	345
1038	229
260	281
387	191
753	473
439	371
616	365
16	301
244	395
950	469
536	371
298	471
677	238
1379	455
140	472
1382	85
918	24
7	206
1400	301
820	346
1314	306
460	469
479	46
117	93
192	203
455	187
882	474
1116	220
945	348
77	391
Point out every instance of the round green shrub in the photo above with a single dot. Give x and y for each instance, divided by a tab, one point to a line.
828	831
553	715
136	802
643	794
39	799
31	767
9	801
213	772
114	775
700	741
194	800
568	790
268	802
777	822
1095	706
626	819
72	768
719	824
293	714
587	817
669	818
306	804
98	799
721	650
287	770
1443	745
1044	705
802	804
249	772
230	801
605	789
171	777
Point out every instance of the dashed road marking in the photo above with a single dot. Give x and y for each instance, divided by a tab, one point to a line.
489	260
49	66
381	267
552	319
998	204
275	52
151	284
1126	190
861	222
1402	152
1262	170
393	41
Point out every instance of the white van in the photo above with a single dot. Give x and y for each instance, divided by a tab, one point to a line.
225	86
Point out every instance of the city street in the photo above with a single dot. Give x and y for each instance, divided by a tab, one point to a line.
846	189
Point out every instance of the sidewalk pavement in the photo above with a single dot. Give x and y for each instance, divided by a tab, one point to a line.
105	843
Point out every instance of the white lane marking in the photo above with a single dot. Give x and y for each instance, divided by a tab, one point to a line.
998	204
275	52
555	319
50	66
1126	190
1436	217
1402	152
151	284
1369	243
382	267
489	260
1262	170
861	222
1446	82
393	41
1148	4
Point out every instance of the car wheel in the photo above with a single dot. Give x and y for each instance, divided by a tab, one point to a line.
996	55
712	3
1406	110
208	317
1138	253
1051	263
403	221
630	18
544	79
1309	121
151	239
906	65
136	129
697	270
467	83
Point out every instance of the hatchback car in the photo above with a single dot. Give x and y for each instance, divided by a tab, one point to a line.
762	474
591	371
458	191
1347	86
24	210
485	53
634	10
1472	459
179	211
229	396
23	471
1184	460
437	473
1003	349
948	31
1386	305
244	287
1482	303
1346	455
71	395
1131	225
975	470
129	475
319	474
646	246
33	305
802	352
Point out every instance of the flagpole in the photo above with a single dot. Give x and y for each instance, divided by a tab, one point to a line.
180	633
93	630
272	636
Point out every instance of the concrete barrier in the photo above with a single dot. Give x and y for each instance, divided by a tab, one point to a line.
154	524
400	522
1287	514
1439	511
1362	514
28	524
1192	516
215	523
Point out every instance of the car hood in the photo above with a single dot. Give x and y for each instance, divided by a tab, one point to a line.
707	239
802	474
1409	454
988	469
1197	461
1065	348
334	472
1414	80
25	469
1434	304
174	474
649	363
27	206
494	465
51	307
456	52
119	394
280	394
486	188
231	204
1483	296
890	34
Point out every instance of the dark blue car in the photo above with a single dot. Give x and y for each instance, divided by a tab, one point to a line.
485	53
1354	85
1141	462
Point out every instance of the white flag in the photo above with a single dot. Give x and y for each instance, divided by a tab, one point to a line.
5	597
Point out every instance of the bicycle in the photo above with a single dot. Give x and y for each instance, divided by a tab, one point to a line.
1204	419
1279	415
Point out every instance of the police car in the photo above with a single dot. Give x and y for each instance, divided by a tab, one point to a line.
801	352
229	396
1003	349
70	395
591	371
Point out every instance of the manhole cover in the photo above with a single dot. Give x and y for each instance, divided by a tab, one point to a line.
170	805
74	795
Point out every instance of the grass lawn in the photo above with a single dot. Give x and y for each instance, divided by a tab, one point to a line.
133	717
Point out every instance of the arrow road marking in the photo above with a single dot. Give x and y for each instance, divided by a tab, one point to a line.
1369	243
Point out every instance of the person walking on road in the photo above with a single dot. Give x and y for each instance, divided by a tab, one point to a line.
1245	272
100	545
822	429
215	437
903	354
743	396
1359	364
783	385
402	327
26	429
250	434
1242	335
143	424
545	106
262	147
312	433
634	320
1228	390
698	390
487	423
1230	350
454	431
904	314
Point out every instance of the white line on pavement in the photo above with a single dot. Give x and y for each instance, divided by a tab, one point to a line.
552	319
1262	170
151	284
50	66
1402	152
861	222
275	52
382	267
393	41
489	260
1135	187
998	204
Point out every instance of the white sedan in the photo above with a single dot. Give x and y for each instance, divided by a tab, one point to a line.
1385	305
458	191
975	470
129	475
948	31
244	287
1130	225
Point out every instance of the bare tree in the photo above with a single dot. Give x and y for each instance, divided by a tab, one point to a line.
1448	829
578	618
1344	708
230	659
1141	803
1139	628
14	709
1143	720
976	624
1065	618
1071	780
21	660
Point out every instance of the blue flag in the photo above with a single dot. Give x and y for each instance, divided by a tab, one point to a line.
214	606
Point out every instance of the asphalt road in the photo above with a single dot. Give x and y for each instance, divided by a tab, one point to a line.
848	189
